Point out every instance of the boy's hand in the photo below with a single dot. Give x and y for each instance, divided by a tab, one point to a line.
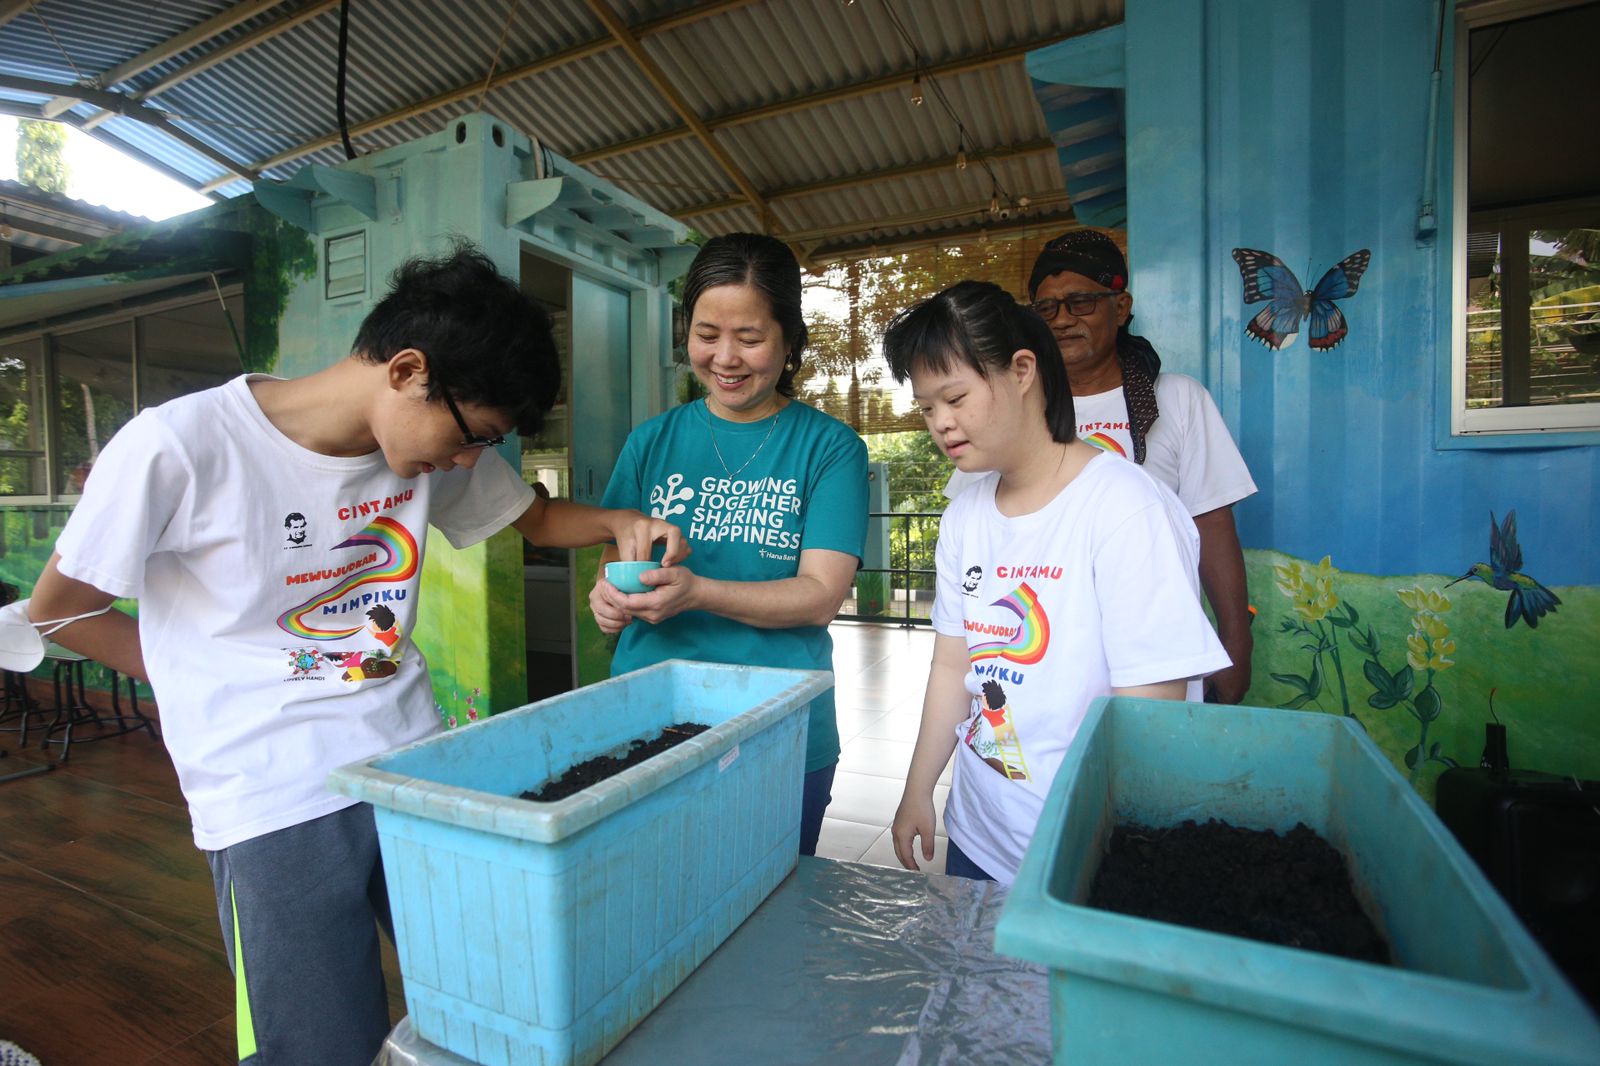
636	535
914	818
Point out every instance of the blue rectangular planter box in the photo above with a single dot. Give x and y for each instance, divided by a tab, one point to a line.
1470	985
543	932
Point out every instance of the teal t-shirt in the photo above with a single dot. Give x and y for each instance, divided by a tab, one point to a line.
798	481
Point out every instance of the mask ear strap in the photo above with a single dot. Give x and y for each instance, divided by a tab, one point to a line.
58	624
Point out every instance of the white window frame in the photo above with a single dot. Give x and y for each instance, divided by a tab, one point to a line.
1491	421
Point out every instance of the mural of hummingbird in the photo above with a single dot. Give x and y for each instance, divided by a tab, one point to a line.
1530	600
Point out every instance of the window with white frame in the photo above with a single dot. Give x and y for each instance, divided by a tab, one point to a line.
1527	292
66	389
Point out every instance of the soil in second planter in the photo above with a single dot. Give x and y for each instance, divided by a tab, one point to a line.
1292	889
601	767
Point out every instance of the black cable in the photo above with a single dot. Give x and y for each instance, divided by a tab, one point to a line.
962	133
338	91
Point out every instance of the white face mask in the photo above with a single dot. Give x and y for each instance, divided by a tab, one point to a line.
22	639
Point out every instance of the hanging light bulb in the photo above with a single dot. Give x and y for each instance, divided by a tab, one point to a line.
961	158
994	204
916	89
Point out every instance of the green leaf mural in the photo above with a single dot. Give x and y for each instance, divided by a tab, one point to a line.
1415	664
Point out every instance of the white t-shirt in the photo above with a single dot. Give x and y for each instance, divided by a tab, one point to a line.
277	593
1188	449
1098	589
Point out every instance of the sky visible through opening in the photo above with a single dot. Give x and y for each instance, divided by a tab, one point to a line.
99	174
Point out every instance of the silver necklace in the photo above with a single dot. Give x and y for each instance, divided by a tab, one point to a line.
711	427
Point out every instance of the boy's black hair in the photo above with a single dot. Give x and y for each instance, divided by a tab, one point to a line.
765	264
486	340
979	324
381	615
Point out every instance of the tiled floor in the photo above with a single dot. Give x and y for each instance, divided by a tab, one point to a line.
880	673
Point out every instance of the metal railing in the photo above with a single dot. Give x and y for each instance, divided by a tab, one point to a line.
876	595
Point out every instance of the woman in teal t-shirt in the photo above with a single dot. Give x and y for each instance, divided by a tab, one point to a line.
770	493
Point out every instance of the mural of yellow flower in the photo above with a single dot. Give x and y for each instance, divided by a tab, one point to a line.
1310	588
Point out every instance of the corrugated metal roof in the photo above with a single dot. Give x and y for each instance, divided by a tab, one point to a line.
829	82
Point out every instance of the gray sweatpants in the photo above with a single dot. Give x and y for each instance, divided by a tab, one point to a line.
300	910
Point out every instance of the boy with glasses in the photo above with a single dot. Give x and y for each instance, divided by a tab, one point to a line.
273	667
1167	423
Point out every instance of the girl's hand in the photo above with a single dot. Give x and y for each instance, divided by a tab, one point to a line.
608	606
913	819
671	593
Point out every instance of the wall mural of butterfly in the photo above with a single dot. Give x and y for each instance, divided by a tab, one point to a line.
1277	324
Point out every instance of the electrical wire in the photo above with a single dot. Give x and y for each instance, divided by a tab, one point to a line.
963	134
488	78
338	89
34	10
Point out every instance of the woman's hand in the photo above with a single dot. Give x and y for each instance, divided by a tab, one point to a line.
607	604
672	592
913	819
636	534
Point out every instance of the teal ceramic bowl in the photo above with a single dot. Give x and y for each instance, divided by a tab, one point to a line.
625	576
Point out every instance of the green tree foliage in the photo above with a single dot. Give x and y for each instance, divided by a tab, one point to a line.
846	333
40	162
917	472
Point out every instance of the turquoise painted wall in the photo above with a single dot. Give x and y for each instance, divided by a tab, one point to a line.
1299	127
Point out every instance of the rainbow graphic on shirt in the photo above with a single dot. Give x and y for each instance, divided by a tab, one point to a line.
396	560
1027	645
1105	444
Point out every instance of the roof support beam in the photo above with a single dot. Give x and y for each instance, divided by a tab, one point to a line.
10	9
911	170
235	47
898	80
823	254
473	88
664	86
1048	198
197	34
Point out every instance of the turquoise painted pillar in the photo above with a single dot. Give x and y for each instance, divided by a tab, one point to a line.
1166	123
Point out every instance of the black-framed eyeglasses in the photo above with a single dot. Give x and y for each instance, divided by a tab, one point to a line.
469	439
1078	304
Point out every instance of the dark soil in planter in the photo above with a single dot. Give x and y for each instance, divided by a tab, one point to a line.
1292	889
601	767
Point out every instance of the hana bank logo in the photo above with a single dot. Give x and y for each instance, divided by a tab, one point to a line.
664	501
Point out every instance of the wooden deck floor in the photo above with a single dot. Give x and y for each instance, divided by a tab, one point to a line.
109	948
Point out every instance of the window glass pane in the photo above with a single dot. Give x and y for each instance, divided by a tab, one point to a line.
1564	314
1531	356
188	349
94	398
21	420
1483	319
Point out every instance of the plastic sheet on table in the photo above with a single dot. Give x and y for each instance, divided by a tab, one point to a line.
843	963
